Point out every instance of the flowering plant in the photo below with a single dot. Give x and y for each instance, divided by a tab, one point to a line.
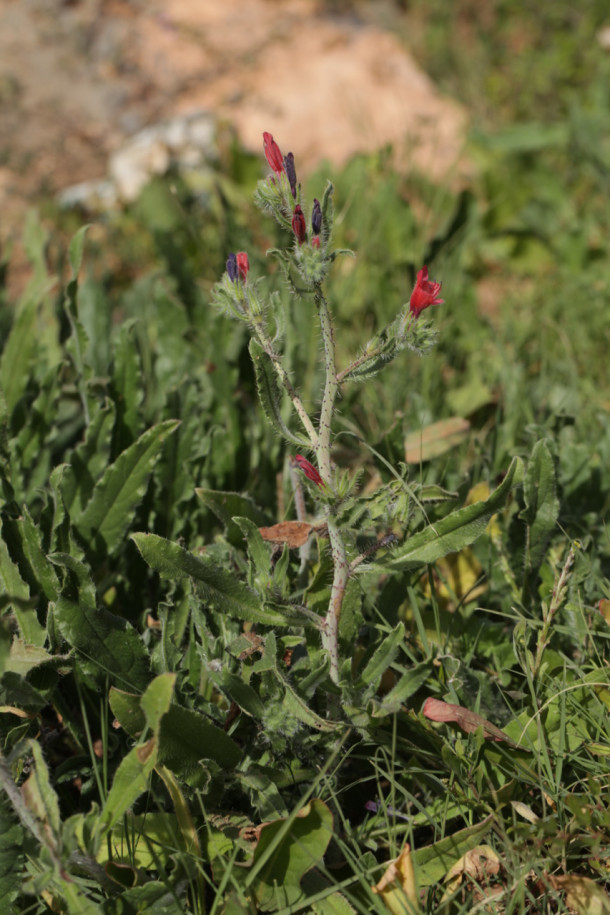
306	262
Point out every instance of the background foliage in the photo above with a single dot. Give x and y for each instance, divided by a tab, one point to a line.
168	755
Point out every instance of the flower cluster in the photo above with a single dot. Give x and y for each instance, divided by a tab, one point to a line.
238	266
284	166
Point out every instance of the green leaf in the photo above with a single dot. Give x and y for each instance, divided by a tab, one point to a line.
541	504
76	249
258	551
42	570
219	587
157	699
270	395
127	709
127	387
107	644
297	707
24	658
382	658
434	861
15	593
228	505
186	738
88	461
454	532
115	498
17	356
12	859
130	781
286	850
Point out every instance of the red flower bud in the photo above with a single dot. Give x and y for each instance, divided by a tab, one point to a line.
273	154
425	293
298	225
315	241
309	470
242	265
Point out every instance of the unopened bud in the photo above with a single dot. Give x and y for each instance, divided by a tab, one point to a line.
291	173
242	265
298	225
316	217
273	154
315	241
232	269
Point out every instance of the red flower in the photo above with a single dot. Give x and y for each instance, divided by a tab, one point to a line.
242	265
315	241
425	293
298	225
273	154
309	470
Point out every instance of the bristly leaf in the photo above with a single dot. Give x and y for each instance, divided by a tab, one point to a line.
541	506
113	502
454	532
219	587
270	394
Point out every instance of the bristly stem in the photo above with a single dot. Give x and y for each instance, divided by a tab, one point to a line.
330	632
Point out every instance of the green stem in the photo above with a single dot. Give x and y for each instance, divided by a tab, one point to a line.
330	630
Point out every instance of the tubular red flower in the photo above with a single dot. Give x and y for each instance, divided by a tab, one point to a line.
424	293
273	154
298	225
309	470
243	265
315	241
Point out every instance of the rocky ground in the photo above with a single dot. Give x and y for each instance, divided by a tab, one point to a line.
78	78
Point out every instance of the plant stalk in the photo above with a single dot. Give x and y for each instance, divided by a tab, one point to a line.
330	630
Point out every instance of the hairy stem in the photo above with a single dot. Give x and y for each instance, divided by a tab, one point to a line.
330	631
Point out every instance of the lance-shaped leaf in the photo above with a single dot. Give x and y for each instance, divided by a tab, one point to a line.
219	587
130	780
113	502
454	532
228	505
382	657
107	644
15	592
541	504
270	395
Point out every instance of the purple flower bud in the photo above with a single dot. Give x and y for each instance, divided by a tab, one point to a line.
232	267
291	173
316	217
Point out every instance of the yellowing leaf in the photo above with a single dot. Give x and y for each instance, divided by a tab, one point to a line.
456	577
435	440
478	864
397	887
583	895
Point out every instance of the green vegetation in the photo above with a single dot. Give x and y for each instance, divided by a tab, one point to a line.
172	740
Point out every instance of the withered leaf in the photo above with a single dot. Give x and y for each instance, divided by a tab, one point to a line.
294	533
436	710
